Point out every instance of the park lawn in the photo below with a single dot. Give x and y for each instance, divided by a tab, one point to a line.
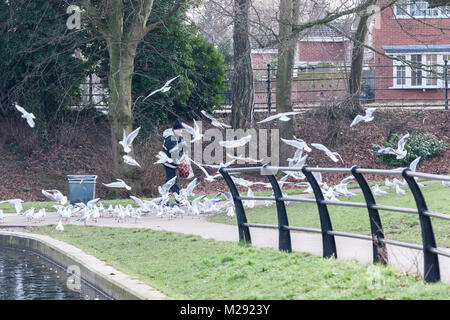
190	267
397	226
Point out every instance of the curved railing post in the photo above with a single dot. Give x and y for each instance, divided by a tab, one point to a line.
376	228
284	235
244	231
329	244
431	260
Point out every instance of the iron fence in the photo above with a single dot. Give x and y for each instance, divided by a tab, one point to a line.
377	237
382	85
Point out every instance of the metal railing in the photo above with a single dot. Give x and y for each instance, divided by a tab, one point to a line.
429	248
318	84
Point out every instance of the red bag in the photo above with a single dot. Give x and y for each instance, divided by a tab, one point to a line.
185	169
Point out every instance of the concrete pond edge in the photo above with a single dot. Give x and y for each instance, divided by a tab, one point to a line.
113	283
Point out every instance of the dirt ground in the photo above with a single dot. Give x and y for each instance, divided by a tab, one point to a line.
27	166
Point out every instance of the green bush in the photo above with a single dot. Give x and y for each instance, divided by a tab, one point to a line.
424	145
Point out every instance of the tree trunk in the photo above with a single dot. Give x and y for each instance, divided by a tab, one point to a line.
289	15
120	102
354	81
243	94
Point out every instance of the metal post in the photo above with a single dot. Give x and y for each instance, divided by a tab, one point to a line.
431	260
269	90
284	235
244	232
446	83
376	229
328	242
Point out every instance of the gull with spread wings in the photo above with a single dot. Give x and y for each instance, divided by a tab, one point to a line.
400	152
236	143
285	116
164	88
367	117
331	155
26	115
127	140
214	121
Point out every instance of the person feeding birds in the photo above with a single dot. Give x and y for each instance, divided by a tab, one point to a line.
175	148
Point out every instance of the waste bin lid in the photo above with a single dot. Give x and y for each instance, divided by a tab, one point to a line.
82	177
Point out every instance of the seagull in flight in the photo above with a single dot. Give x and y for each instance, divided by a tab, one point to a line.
331	155
130	161
214	121
297	143
195	131
400	152
208	176
55	195
240	158
164	88
26	115
221	165
119	184
367	117
127	140
285	116
236	143
17	203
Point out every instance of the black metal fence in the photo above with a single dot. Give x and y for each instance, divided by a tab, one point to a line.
429	248
382	85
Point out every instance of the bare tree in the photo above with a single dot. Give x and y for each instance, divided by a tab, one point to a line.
123	25
289	16
243	93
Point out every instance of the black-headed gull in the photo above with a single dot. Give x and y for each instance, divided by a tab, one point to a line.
163	158
208	176
119	184
130	161
17	203
164	88
297	143
195	131
400	153
26	115
240	158
127	140
236	143
367	117
377	191
55	196
59	226
331	155
285	116
214	121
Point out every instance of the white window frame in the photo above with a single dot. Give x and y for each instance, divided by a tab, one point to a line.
440	83
429	13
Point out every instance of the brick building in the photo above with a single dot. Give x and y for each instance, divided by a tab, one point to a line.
415	33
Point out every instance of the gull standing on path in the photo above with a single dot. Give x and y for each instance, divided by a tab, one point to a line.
127	140
164	88
399	190
280	116
26	115
195	131
400	152
377	191
367	117
331	155
214	121
236	143
119	184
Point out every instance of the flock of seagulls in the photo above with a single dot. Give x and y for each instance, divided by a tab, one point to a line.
186	201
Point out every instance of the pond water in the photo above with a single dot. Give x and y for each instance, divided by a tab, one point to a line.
25	275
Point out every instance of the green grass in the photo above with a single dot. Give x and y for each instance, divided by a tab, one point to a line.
397	226
190	267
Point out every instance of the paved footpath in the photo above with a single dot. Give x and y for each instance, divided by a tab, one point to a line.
408	260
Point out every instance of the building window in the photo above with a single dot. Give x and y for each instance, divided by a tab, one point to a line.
409	9
400	72
425	70
416	71
431	60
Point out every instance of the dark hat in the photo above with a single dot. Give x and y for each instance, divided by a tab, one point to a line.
177	125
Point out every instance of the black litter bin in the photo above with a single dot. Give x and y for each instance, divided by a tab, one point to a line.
81	188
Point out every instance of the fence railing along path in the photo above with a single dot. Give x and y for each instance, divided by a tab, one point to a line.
377	237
